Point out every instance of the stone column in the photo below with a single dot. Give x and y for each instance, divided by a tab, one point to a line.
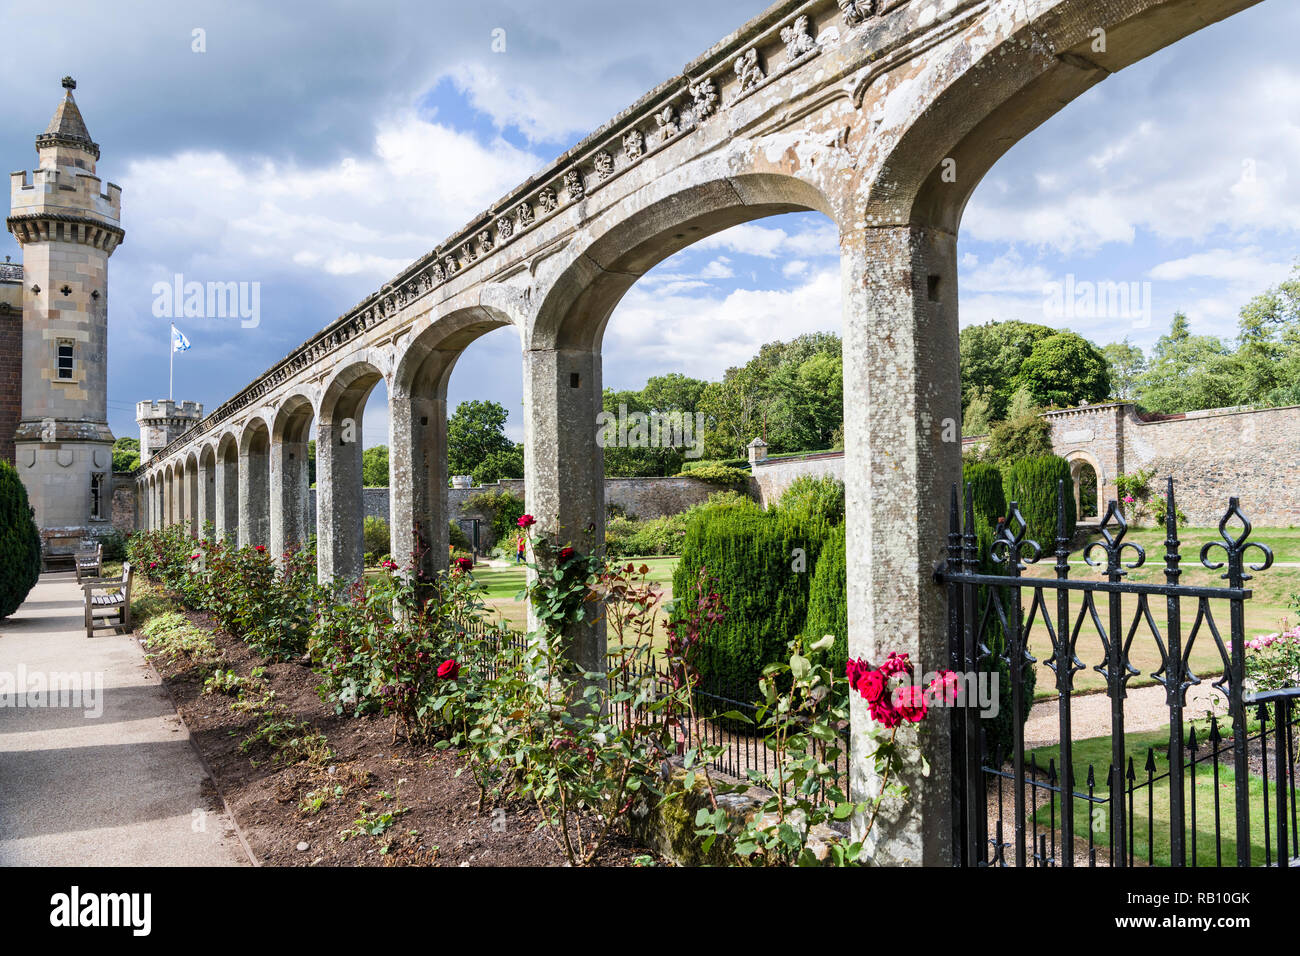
901	390
193	510
254	496
289	495
418	502
226	492
564	467
207	495
340	511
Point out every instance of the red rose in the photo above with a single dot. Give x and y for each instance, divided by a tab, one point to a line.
465	564
527	521
566	553
871	686
896	664
909	701
260	548
855	669
449	670
882	713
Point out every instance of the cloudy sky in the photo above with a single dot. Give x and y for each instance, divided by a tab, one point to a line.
318	148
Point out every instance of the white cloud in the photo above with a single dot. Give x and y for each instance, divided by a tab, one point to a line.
768	242
1246	265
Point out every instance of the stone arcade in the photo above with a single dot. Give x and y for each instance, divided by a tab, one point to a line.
854	108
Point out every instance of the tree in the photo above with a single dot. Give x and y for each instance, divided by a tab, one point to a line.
1268	342
476	430
991	357
976	421
1127	362
1065	370
20	542
1188	372
126	454
500	464
374	467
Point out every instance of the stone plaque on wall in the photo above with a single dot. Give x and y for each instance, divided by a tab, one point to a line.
1077	436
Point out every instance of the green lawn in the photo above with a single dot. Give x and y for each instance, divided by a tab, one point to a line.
503	584
1095	751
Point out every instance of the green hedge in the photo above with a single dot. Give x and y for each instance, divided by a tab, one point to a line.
828	607
989	503
20	542
750	552
721	475
1032	483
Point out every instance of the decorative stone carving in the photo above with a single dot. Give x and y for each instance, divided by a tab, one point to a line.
669	123
748	70
856	11
634	144
548	200
604	165
505	228
450	264
573	184
798	38
469	253
437	272
485	244
526	215
705	94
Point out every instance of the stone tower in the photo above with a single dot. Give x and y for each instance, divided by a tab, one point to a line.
162	421
67	227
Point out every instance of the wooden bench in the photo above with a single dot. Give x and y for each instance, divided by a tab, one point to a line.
90	557
112	595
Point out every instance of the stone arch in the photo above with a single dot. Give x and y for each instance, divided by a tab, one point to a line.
226	487
169	495
638	233
290	479
1082	463
563	387
340	510
418	503
193	520
254	482
207	486
995	86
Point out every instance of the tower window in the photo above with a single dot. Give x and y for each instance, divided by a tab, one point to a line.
97	496
65	358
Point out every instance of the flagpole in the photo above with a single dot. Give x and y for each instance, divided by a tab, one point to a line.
171	362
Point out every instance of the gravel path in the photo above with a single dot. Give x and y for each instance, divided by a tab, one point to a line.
1144	709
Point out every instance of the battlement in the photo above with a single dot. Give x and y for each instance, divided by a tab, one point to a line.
64	189
168	409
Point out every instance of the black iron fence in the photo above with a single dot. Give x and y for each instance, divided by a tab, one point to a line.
1167	806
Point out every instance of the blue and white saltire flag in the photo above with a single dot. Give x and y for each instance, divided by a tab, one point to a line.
179	342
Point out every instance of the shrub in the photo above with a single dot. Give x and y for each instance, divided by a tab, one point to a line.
457	537
1032	484
1026	436
828	608
733	478
989	503
819	498
20	542
748	551
375	532
505	508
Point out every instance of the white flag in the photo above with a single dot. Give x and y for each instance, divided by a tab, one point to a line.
179	342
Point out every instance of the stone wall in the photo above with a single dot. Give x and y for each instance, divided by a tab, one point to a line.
772	476
124	502
11	375
1213	455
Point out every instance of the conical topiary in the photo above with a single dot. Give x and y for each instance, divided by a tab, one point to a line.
20	542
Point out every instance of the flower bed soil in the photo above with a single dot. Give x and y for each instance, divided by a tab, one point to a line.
442	826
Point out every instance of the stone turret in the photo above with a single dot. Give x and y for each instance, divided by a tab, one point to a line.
162	421
67	228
